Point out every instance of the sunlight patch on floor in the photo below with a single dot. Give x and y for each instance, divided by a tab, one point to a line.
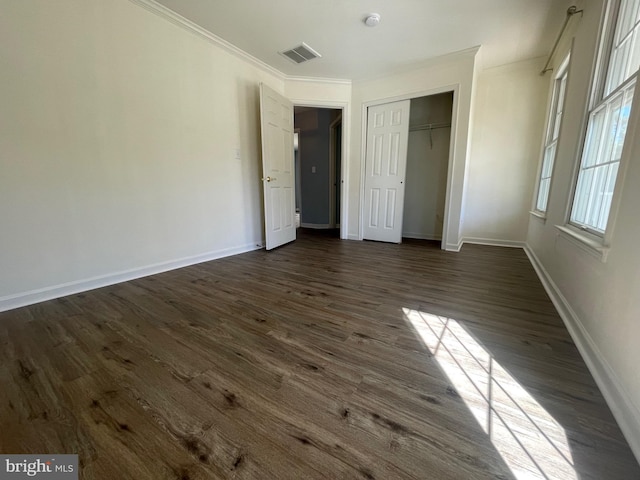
530	441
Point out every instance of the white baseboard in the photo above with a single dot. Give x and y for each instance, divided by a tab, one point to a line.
493	242
318	226
353	236
421	236
454	247
616	396
23	299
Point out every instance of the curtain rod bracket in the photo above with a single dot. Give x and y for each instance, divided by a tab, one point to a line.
571	11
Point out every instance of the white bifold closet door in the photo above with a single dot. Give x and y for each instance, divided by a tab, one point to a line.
385	168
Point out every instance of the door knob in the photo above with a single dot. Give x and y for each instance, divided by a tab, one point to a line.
269	179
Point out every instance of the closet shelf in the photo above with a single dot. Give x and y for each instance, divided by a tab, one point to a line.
429	126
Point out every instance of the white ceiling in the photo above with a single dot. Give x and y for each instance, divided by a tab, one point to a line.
410	32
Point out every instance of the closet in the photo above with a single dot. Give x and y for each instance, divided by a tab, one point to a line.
427	164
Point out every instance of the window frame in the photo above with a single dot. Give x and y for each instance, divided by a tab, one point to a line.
562	72
592	238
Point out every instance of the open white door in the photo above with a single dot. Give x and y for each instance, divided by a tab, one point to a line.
276	119
385	168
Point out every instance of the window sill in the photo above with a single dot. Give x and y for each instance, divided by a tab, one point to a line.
589	245
539	215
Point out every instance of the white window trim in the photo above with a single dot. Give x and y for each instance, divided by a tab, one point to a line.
581	239
622	163
561	71
542	216
599	245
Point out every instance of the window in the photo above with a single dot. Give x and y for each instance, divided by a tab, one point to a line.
608	119
551	136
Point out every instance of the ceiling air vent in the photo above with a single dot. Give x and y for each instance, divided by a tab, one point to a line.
301	53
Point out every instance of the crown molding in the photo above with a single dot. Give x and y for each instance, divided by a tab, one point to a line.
523	63
430	62
334	81
179	20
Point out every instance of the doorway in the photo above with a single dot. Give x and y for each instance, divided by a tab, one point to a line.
335	165
318	164
427	166
407	159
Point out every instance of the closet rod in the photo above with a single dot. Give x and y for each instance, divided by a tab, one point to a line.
571	11
429	126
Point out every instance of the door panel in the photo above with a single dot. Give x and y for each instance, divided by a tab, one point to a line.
385	168
374	210
391	209
276	121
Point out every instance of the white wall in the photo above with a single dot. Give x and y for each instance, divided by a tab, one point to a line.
508	122
317	92
117	142
117	147
427	163
600	301
452	73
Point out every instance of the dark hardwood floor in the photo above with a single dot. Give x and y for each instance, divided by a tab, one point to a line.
322	359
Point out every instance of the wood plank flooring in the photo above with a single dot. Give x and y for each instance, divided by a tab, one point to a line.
322	359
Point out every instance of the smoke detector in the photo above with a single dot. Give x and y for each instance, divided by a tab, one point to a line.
372	20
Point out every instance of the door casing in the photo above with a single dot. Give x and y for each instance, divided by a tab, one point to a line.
459	183
344	164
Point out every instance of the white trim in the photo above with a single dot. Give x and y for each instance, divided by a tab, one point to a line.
181	21
305	102
455	89
599	72
584	242
542	216
351	236
297	171
345	163
317	226
551	115
616	396
23	299
334	188
453	247
421	236
333	81
493	242
430	62
363	167
628	156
